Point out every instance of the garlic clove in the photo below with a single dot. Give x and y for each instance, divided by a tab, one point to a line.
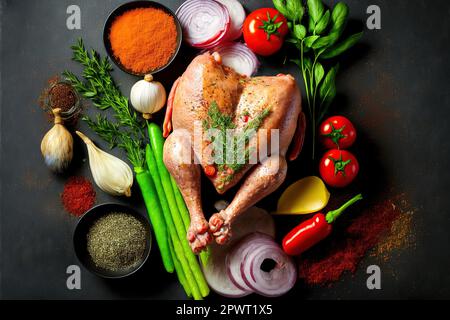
111	174
57	145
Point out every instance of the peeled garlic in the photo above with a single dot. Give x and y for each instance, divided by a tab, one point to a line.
111	174
57	145
148	96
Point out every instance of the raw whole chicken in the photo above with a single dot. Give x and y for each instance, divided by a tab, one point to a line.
240	102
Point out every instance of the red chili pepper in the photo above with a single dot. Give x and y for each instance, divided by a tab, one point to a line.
314	230
246	117
210	171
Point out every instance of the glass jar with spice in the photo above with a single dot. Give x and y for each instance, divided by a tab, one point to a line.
61	94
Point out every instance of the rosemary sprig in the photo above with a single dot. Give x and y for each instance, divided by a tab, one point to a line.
98	86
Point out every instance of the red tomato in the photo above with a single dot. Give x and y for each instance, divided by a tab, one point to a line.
265	30
338	168
210	171
337	132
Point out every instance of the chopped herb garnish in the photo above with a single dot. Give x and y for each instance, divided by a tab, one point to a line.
223	122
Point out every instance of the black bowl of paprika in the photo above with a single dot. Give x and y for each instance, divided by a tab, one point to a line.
142	37
120	232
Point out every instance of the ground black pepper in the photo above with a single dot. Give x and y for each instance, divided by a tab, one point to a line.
117	242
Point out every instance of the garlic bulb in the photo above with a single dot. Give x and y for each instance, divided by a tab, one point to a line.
148	96
111	174
57	145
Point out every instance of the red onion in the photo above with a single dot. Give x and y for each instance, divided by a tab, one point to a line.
215	270
237	254
205	22
274	283
237	16
239	57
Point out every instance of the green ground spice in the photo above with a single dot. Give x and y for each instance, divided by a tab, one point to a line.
117	242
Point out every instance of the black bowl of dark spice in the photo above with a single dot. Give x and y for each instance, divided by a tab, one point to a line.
112	240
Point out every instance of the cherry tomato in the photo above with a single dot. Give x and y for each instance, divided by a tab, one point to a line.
265	30
337	132
338	168
210	171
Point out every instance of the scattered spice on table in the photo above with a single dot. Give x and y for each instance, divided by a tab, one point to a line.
117	242
78	196
143	39
401	237
326	264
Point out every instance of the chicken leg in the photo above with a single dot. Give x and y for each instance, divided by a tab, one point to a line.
179	160
264	179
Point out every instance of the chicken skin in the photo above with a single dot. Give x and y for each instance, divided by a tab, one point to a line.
263	104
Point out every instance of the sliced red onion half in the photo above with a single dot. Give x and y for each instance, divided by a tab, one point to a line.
237	254
204	22
237	17
216	275
215	270
239	57
273	283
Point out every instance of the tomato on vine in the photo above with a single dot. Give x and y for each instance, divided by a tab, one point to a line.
338	168
337	132
264	31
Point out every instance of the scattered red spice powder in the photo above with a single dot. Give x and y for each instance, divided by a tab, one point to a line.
78	196
326	264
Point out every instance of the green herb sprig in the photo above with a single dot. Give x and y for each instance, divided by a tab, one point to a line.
317	39
223	122
126	132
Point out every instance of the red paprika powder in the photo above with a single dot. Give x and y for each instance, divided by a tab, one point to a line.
78	196
326	264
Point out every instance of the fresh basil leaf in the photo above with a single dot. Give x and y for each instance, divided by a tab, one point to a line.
327	103
280	5
292	9
308	64
341	47
300	31
315	9
309	41
327	90
323	23
339	18
295	10
292	40
319	72
326	41
311	25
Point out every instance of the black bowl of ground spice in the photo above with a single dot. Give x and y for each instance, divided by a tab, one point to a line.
142	37
112	240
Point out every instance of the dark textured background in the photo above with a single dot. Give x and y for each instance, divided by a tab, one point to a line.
393	85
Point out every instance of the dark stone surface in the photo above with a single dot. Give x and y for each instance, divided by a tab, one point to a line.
393	85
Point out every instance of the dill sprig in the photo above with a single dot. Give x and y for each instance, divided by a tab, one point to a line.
99	87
